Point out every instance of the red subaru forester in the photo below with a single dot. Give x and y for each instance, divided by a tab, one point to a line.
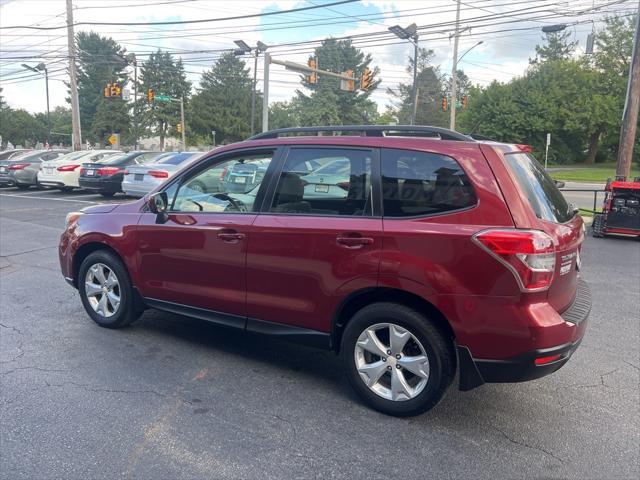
412	251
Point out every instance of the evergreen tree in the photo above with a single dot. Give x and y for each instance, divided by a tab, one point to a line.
327	104
100	61
165	76
557	47
431	88
223	101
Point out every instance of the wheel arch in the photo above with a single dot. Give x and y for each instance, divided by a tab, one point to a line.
362	298
87	249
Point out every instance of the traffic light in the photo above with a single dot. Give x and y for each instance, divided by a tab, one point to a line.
113	91
465	101
179	127
445	104
107	90
365	79
313	76
150	95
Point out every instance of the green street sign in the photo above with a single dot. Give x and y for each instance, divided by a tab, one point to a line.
162	98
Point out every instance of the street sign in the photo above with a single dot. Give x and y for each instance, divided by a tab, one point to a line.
113	139
162	98
126	95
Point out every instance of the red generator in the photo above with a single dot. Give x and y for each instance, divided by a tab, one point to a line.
620	210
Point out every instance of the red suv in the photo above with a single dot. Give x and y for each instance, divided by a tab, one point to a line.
412	251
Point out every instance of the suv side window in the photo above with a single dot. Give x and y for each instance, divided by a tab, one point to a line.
324	181
230	186
422	183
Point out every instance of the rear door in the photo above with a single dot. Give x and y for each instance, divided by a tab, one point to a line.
553	215
310	248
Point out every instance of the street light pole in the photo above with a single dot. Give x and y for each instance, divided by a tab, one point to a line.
42	67
73	84
265	96
410	33
184	127
253	91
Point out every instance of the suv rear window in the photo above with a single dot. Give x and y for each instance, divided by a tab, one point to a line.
547	201
423	183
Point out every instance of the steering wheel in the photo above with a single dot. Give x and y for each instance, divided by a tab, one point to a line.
239	206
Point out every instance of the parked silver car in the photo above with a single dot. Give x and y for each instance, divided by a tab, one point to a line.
141	179
22	170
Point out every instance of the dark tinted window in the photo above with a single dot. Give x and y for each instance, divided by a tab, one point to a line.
340	191
421	183
546	200
176	158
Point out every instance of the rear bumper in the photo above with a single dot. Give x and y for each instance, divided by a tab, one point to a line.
101	185
534	363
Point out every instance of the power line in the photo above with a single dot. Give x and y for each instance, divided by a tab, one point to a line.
184	22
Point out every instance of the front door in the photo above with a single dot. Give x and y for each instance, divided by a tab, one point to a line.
316	240
197	258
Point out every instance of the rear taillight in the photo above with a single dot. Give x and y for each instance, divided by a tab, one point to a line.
19	166
529	254
67	168
107	170
125	172
343	185
158	173
83	171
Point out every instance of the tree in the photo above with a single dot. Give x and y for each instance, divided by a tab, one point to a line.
100	61
223	101
21	128
430	91
285	114
165	76
60	124
327	104
558	47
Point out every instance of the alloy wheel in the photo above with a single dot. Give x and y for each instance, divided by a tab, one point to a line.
102	289
391	361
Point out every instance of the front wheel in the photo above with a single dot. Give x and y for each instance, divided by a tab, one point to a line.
106	291
396	359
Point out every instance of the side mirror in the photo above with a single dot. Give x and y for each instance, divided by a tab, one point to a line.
559	183
158	203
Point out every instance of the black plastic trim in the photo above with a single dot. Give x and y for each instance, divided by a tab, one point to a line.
304	336
220	318
581	306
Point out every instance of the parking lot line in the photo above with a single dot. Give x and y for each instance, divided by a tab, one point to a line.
46	198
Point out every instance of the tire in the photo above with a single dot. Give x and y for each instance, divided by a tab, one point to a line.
66	189
597	225
424	338
107	194
198	186
22	186
117	316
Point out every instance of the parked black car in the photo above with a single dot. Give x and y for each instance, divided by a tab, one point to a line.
106	177
7	154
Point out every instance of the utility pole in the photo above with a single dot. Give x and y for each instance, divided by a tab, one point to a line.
630	114
415	80
184	127
75	106
265	97
454	71
253	91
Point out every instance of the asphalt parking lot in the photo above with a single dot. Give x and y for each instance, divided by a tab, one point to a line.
172	397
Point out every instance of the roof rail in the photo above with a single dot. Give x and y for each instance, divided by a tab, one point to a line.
370	131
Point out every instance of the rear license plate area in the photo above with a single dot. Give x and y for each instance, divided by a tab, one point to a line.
138	177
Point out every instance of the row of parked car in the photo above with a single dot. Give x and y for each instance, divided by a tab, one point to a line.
104	171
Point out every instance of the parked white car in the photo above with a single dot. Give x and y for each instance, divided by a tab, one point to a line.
64	172
141	179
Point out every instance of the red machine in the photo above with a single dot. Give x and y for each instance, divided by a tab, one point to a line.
621	209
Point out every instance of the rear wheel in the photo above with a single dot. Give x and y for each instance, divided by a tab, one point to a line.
396	359
107	194
66	189
198	186
106	291
22	187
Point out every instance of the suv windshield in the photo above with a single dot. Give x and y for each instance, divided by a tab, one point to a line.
547	201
